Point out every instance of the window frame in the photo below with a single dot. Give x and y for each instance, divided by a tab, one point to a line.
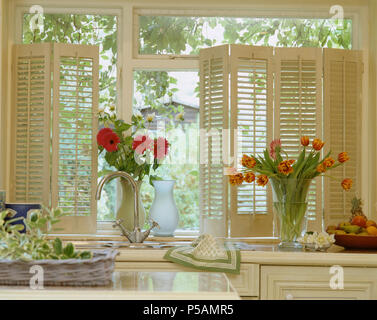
129	60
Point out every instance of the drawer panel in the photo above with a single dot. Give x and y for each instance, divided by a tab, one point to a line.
246	283
312	283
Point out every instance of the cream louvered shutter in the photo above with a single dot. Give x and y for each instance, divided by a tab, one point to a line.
74	165
30	160
342	105
251	78
298	111
214	117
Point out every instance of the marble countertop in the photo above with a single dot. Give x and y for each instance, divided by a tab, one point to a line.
269	254
257	251
137	286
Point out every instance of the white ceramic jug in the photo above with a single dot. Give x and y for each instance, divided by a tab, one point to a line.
164	210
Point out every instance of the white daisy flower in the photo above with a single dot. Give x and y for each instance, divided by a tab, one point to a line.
150	117
138	115
179	116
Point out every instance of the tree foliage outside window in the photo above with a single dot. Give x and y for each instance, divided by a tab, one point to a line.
177	35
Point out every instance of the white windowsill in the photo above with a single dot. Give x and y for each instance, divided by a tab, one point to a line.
119	237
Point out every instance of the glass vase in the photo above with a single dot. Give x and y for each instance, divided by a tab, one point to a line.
290	206
126	208
164	209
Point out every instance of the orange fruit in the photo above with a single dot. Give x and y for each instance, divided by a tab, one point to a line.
371	223
372	230
359	221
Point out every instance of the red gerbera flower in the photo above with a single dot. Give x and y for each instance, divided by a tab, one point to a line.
110	141
101	134
160	148
141	143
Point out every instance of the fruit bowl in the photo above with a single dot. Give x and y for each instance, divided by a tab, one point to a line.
356	242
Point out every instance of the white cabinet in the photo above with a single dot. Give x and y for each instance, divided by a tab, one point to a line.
280	275
292	282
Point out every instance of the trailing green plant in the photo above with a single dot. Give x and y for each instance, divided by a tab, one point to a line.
34	244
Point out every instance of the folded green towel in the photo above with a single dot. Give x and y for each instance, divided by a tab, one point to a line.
208	254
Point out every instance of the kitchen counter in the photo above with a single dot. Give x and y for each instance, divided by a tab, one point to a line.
266	272
134	285
259	253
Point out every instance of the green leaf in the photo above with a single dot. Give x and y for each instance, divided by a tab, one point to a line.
104	172
194	173
68	250
85	255
58	212
16	227
34	216
58	246
268	160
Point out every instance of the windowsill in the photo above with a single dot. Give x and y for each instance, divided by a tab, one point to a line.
115	237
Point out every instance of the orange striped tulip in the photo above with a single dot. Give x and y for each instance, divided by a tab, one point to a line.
248	162
305	141
343	157
347	184
262	180
318	144
328	162
236	179
249	177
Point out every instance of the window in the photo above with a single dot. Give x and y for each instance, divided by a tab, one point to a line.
182	163
172	36
163	70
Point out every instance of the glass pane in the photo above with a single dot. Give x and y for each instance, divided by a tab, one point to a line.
187	35
167	94
98	30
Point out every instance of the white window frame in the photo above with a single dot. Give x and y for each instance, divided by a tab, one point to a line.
129	60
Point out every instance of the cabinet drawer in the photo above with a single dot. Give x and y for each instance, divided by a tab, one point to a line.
246	283
312	283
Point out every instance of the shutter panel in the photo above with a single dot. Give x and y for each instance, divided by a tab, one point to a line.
342	91
252	115
298	111
75	103
214	109
30	163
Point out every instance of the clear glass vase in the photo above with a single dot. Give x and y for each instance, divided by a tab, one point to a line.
290	206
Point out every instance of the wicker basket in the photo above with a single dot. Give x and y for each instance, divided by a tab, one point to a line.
96	271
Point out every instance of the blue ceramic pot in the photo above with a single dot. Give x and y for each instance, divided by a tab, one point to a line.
21	210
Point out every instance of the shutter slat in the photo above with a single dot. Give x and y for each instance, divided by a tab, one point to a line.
74	129
342	89
298	110
251	115
214	108
31	134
